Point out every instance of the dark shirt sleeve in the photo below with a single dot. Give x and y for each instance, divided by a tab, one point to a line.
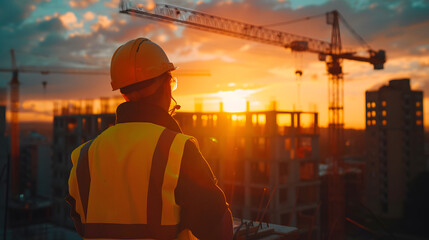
202	203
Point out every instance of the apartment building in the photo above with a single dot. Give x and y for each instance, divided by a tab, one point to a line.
394	144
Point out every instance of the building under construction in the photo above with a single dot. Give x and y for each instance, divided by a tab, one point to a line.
266	161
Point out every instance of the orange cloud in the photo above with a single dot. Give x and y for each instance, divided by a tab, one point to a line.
88	16
102	22
81	3
69	20
112	4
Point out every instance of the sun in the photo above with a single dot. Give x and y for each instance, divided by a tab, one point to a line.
234	101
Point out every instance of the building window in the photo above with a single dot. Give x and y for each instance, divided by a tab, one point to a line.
214	120
384	122
260	172
383	103
373	104
259	197
383	113
419	122
292	154
194	120
261	143
368	114
368	122
71	126
368	105
418	113
304	147
261	119
373	113
307	172
258	119
418	104
283	195
204	119
373	122
283	172
287	144
98	123
307	194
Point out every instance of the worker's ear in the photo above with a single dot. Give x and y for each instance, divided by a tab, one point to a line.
165	98
167	88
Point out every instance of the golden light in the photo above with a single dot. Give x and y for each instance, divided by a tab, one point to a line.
234	101
162	38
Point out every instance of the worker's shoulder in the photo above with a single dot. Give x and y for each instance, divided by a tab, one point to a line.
186	137
191	148
191	142
76	152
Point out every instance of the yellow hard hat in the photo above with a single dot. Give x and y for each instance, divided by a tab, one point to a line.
136	61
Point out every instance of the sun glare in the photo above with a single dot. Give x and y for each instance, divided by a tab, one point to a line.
234	101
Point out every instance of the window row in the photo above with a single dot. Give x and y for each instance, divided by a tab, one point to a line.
373	122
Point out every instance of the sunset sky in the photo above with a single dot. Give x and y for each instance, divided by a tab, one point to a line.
85	33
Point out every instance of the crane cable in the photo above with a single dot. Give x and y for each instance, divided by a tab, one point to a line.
293	21
356	35
348	26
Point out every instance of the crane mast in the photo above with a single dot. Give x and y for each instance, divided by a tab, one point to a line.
14	124
336	205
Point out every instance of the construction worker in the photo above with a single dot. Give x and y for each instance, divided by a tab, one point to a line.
143	178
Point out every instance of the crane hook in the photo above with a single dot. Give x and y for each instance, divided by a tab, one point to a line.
44	84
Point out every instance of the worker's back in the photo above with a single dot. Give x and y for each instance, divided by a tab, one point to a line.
133	170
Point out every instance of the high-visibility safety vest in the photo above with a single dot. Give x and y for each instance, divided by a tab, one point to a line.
122	183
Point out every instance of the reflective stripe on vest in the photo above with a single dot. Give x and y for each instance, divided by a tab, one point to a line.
103	213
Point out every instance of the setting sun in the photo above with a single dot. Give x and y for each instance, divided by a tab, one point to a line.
234	101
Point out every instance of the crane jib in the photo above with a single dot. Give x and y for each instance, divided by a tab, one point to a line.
202	21
167	13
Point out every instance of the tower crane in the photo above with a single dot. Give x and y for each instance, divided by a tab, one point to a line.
15	103
331	53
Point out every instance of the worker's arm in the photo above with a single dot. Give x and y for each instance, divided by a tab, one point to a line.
72	197
204	209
